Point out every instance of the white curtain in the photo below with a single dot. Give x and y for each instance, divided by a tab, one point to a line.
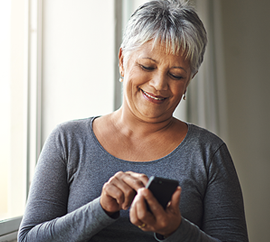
206	102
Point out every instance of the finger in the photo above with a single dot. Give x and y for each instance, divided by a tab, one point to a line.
176	197
135	180
140	203
154	205
139	215
143	213
138	176
162	221
125	194
111	197
133	213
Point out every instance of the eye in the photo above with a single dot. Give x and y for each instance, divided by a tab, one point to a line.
176	77
147	68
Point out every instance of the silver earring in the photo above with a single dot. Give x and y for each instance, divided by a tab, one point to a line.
121	79
184	97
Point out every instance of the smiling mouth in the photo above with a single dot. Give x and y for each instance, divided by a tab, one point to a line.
155	98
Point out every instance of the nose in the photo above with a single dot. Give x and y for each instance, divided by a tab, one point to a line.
159	81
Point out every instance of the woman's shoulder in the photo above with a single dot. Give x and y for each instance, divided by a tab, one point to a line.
201	135
73	129
75	125
205	146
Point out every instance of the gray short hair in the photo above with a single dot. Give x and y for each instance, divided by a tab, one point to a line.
173	22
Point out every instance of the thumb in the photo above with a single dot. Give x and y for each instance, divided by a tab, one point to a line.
174	204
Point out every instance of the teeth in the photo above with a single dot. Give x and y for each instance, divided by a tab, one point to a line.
156	98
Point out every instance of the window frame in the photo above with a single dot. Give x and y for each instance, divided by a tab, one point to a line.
9	227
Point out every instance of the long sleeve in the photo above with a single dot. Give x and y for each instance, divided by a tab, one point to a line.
46	217
187	232
223	210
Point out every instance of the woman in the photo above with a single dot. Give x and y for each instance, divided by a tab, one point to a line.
90	178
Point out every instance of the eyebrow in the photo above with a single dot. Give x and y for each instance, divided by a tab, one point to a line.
177	67
150	59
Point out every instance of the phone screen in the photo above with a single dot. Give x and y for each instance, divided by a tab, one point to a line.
162	189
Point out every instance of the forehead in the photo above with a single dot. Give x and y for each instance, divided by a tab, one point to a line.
161	52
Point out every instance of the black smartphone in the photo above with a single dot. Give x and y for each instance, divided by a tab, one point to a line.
162	189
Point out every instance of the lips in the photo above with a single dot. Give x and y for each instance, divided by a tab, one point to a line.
153	97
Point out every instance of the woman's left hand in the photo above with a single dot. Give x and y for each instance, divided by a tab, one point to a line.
160	221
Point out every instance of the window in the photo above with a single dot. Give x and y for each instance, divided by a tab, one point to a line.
13	106
51	71
18	103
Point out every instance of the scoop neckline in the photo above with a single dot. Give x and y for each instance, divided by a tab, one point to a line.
181	145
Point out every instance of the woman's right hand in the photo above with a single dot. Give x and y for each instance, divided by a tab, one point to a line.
119	192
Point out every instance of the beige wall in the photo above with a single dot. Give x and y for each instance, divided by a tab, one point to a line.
246	36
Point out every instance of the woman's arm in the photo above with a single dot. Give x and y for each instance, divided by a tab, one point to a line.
223	215
46	217
224	218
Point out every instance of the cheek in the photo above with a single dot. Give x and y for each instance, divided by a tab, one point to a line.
130	86
135	79
178	89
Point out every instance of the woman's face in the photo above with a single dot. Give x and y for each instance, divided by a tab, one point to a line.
154	82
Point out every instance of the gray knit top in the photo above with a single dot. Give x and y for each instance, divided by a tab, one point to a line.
63	203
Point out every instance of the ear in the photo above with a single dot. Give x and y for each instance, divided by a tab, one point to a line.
121	62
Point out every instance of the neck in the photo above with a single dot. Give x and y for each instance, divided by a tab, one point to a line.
130	125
